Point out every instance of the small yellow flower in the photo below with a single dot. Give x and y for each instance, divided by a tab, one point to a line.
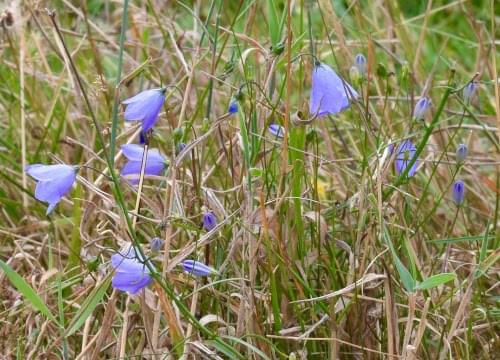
321	185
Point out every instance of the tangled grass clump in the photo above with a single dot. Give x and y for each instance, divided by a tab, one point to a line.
249	180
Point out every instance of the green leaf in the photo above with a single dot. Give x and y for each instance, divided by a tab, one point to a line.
461	239
482	253
435	280
88	306
404	274
249	346
227	350
274	28
27	291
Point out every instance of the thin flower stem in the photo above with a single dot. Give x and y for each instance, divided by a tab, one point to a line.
22	52
448	247
114	115
121	203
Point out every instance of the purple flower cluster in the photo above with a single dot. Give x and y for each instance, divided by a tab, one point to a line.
330	95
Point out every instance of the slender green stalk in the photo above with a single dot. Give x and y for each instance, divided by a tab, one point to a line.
116	103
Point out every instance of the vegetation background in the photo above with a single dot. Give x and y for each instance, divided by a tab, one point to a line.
322	251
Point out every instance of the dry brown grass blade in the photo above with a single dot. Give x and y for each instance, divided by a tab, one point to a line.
172	320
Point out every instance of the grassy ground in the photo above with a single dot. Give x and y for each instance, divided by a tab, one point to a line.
322	251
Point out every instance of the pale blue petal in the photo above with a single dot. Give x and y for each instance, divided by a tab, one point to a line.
51	207
131	282
154	109
134	168
131	167
146	107
130	274
155	156
124	262
329	94
277	130
154	168
133	151
136	111
405	153
141	96
52	191
197	268
42	172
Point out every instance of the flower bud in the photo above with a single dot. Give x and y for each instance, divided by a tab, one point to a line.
469	91
461	153
405	71
360	64
233	106
421	108
178	133
458	192
196	268
156	244
209	220
180	147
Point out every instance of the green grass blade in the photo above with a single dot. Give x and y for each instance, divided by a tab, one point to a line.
435	280
88	306
249	346
404	274
27	291
274	27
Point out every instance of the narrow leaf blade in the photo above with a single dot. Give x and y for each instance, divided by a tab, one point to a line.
27	291
274	28
435	280
88	306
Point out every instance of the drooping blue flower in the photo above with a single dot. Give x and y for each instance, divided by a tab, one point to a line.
360	63
458	192
276	130
469	91
132	169
156	244
145	107
53	182
404	154
233	106
131	275
209	220
329	93
197	268
421	108
461	153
